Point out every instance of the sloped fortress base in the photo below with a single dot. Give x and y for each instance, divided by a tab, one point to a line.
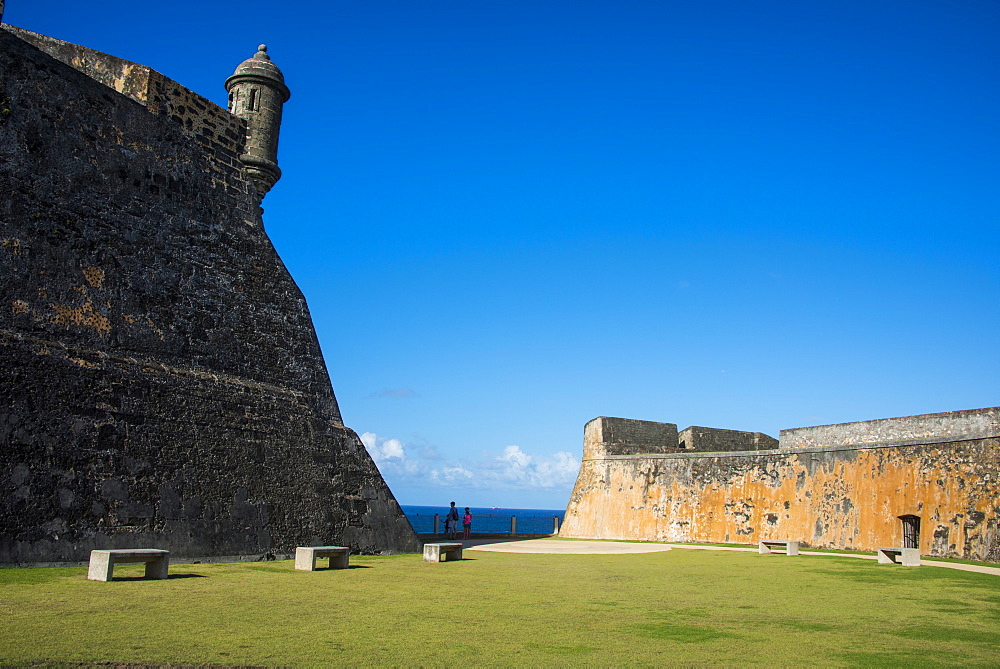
162	384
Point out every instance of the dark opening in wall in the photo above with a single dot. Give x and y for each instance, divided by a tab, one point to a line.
911	531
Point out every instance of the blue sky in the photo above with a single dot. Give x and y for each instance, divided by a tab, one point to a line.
511	217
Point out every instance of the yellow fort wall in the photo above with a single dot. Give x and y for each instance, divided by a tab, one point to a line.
840	496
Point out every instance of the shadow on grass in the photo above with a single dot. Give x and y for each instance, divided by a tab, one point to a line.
143	578
939	633
952	606
37	576
871	573
805	625
287	568
681	633
898	658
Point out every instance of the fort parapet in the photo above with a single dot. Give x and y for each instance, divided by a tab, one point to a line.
925	429
627	436
929	480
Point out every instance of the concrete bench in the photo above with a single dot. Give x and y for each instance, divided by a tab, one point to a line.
910	557
306	556
102	563
791	547
442	552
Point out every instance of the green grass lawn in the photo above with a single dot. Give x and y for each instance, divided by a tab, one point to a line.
682	607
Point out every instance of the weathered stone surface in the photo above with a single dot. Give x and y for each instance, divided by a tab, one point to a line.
624	436
442	552
908	557
712	439
102	563
840	496
923	429
306	557
621	436
162	382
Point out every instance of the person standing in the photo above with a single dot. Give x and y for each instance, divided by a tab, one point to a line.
467	524
451	522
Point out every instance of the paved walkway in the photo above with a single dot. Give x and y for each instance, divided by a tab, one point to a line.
583	547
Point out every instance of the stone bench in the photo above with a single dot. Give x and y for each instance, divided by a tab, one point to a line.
306	556
910	557
442	552
791	547
102	562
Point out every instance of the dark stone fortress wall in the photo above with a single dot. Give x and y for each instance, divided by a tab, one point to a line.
162	384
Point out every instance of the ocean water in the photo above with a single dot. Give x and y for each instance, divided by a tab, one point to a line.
486	520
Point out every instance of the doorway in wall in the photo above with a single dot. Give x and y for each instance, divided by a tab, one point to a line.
911	531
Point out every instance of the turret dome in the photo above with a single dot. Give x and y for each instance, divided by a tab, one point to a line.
260	68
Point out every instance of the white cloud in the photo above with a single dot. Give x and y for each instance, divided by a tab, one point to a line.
393	448
382	450
514	456
511	469
518	469
451	476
